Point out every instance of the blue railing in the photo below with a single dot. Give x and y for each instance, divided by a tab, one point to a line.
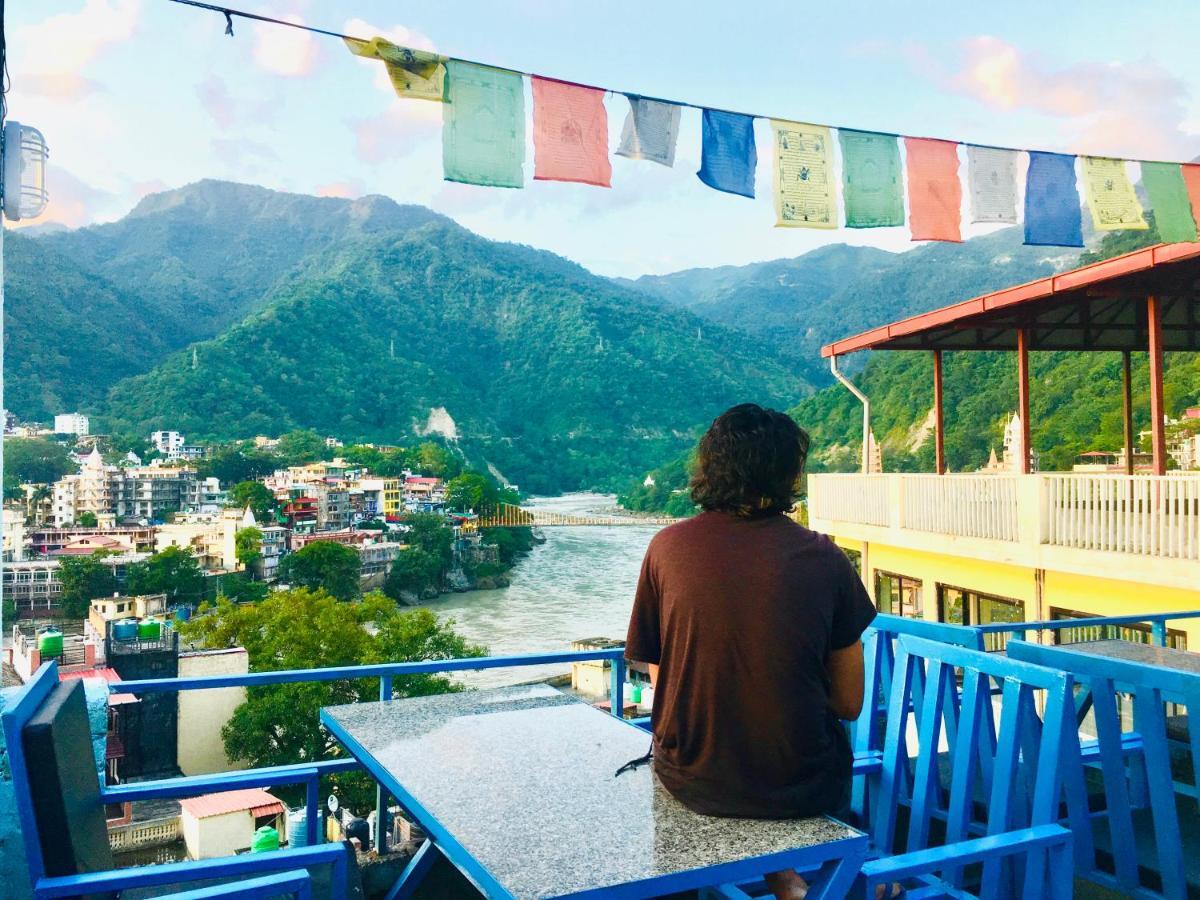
1156	621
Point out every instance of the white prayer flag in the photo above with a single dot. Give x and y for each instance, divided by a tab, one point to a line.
650	132
992	177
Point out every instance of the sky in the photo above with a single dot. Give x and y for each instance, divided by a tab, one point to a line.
136	96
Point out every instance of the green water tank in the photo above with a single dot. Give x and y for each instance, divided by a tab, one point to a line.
265	839
50	642
149	629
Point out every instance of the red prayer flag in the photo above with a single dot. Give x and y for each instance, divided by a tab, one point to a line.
934	191
570	133
1191	180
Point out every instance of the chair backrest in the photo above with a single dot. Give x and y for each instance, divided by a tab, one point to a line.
1010	763
1132	764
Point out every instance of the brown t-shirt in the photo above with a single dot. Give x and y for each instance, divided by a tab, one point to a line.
740	615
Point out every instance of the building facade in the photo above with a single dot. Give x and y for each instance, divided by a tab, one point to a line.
71	423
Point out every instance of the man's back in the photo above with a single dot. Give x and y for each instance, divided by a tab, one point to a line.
741	614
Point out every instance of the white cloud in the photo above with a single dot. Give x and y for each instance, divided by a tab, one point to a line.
397	34
290	52
49	56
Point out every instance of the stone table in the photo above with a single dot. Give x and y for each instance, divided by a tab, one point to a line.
517	787
1147	654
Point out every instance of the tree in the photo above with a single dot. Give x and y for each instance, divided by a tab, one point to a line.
247	543
84	579
302	629
87	519
301	446
172	571
241	589
372	525
468	491
412	572
35	460
431	533
253	494
434	459
234	463
324	565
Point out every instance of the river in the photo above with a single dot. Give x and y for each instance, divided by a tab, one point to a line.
578	584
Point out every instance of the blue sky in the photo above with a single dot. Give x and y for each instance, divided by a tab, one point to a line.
139	95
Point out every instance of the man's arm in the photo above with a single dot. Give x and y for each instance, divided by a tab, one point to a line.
653	675
846	680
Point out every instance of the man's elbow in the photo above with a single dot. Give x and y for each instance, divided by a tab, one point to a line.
846	708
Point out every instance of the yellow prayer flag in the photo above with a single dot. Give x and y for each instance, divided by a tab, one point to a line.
1110	195
804	192
414	73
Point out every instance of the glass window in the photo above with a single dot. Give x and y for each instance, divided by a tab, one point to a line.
961	606
898	595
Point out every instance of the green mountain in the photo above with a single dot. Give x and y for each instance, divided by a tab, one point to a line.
89	307
799	304
558	378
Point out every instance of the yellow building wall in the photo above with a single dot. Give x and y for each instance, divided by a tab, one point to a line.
1060	590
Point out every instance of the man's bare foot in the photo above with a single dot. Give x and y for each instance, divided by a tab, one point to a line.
787	885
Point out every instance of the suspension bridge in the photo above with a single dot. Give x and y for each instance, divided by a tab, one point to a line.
506	515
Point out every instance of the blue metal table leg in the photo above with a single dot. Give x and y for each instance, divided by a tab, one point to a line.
835	878
414	873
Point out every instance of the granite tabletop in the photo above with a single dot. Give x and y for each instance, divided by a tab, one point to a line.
1150	654
524	778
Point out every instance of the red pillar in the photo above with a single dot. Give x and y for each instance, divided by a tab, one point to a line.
939	435
1023	397
1157	431
1127	409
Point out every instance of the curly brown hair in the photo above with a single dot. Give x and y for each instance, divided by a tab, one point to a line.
749	462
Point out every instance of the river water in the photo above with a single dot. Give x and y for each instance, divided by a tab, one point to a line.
579	584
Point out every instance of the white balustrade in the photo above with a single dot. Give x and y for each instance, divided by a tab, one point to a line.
977	506
861	499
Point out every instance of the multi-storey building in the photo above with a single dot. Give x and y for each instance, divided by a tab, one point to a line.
34	587
210	537
393	499
1022	545
71	423
167	442
14	532
333	507
115	493
274	547
50	541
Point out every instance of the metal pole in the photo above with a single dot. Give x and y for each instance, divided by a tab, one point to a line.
1127	408
938	415
866	405
1023	397
1157	429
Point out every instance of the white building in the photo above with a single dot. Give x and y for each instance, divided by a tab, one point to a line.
71	423
166	441
224	824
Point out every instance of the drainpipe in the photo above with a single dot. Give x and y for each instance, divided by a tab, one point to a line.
866	405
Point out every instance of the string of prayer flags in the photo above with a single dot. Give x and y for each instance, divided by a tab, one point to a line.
1169	199
992	180
728	156
1052	213
871	179
651	131
570	133
1191	179
418	74
934	191
483	126
804	190
1110	195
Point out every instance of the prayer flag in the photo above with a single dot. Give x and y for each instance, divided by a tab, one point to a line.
804	192
934	191
1169	200
992	176
570	133
728	156
1191	178
871	179
651	131
483	126
1052	214
414	73
1110	195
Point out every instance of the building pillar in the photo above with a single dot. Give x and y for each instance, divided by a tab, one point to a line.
1127	408
1023	397
1157	429
938	414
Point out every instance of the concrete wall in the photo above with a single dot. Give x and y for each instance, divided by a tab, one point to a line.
202	714
13	874
218	835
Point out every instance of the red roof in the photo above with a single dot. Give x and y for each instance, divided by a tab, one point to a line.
255	801
1095	307
415	479
104	673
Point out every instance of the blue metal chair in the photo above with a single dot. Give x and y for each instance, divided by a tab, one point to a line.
62	805
1140	848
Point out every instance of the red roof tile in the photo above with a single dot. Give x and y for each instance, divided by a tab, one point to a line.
256	801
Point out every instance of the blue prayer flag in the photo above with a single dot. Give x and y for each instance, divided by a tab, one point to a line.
1052	210
728	156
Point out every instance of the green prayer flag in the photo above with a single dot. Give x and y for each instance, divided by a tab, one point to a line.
871	179
1169	200
483	126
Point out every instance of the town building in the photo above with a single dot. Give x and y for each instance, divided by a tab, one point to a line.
115	493
224	824
210	537
34	587
14	532
167	442
274	548
71	540
424	493
71	423
333	507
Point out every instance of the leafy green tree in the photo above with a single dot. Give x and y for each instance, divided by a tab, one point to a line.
255	495
431	533
234	463
412	572
372	525
302	629
240	588
324	565
84	579
247	543
87	519
435	460
35	460
469	491
172	571
301	446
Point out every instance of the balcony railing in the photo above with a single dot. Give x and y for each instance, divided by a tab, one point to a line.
1139	514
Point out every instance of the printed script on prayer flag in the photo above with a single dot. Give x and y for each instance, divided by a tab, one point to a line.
934	191
570	133
414	73
651	131
992	180
804	191
728	156
1052	213
1110	195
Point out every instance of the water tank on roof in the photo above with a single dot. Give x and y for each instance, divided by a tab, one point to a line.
265	839
149	629
125	630
182	613
297	827
50	642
